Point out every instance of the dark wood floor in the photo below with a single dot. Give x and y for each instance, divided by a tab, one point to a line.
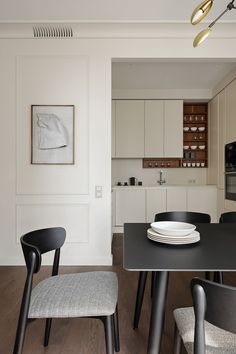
84	336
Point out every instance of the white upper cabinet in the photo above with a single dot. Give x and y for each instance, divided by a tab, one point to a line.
230	92
113	129
164	128
222	139
129	128
213	161
173	129
154	128
147	128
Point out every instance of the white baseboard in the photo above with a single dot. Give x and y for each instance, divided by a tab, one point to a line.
118	229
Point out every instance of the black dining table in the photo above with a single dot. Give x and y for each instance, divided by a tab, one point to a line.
216	251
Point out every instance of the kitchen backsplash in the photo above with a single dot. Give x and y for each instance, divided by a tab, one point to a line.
123	169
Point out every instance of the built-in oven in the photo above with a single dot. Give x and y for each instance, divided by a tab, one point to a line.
230	171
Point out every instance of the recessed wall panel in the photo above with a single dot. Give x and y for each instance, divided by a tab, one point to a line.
52	80
73	217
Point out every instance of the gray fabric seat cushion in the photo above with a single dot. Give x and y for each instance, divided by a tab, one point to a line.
218	341
75	295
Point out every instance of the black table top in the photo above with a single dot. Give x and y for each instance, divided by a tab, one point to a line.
216	250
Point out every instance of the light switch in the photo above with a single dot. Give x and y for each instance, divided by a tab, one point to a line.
98	191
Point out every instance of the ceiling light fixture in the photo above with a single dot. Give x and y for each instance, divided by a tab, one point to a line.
200	12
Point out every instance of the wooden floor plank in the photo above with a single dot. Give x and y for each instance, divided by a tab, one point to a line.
85	336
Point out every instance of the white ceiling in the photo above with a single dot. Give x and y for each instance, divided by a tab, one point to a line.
170	74
105	10
151	75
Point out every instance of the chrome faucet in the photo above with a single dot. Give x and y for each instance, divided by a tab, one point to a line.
161	180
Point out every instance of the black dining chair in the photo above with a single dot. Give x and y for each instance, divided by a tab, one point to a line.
89	294
182	216
209	327
228	217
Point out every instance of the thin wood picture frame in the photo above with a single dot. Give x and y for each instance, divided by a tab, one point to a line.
52	134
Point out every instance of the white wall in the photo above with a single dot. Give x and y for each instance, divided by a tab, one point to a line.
78	72
36	196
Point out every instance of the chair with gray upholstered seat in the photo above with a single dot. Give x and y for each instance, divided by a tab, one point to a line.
210	326
88	294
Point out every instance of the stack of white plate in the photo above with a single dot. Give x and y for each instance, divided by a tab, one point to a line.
173	232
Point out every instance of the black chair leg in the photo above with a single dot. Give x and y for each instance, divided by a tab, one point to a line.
208	275
47	331
139	298
107	321
20	336
24	310
218	277
116	330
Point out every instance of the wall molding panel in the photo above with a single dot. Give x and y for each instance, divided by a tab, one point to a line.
52	80
73	217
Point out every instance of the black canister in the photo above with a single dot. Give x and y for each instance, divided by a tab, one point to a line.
132	181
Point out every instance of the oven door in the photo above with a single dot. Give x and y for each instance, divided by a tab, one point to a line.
230	186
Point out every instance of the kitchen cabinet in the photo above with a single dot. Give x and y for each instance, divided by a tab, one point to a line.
163	128
173	131
130	206
176	199
213	163
129	128
204	200
154	128
155	202
113	128
217	129
222	139
230	94
147	128
133	204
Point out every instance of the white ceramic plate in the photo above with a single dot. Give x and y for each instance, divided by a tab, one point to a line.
173	228
156	235
183	240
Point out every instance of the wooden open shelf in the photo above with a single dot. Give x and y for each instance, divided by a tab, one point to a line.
195	125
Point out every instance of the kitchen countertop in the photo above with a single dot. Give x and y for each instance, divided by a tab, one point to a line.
164	186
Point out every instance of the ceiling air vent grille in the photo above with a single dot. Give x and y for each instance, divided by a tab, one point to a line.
52	32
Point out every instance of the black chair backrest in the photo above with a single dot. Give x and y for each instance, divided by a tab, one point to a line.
216	303
228	217
35	243
183	216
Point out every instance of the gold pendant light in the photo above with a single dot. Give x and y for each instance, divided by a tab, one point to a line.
201	11
201	37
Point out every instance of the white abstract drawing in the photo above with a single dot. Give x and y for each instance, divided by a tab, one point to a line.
52	134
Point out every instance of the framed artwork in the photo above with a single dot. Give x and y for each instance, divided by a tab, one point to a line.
52	134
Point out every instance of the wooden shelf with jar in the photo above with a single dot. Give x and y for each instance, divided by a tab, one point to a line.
195	136
161	163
